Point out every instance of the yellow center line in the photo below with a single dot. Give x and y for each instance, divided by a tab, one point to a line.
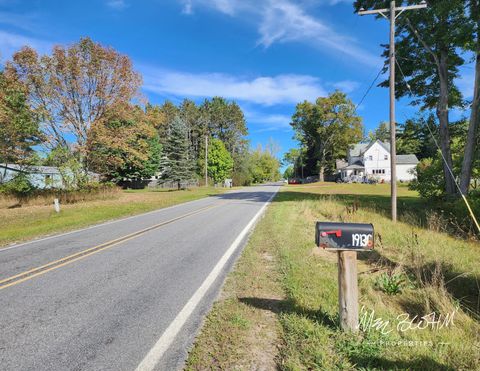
34	272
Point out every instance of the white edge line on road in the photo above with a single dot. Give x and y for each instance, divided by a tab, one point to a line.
100	224
164	342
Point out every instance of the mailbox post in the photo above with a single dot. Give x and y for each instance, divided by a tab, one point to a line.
346	239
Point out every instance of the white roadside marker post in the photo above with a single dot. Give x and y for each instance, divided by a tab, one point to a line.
56	205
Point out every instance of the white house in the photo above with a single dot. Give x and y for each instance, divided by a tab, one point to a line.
40	176
372	160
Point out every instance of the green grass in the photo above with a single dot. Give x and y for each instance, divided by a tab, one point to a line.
32	221
440	274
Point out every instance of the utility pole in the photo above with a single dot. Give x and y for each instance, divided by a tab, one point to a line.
393	127
206	161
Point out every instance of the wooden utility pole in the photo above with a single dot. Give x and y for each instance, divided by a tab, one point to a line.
348	290
393	127
206	161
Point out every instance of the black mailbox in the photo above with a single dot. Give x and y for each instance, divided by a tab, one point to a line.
344	236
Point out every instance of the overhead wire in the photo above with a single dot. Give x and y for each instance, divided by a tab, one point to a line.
370	87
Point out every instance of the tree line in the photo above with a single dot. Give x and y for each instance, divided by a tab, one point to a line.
432	46
80	108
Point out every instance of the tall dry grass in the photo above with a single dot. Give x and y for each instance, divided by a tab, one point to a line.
46	196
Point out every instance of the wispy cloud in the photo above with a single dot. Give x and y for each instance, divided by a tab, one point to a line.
347	86
187	7
266	121
12	42
25	22
117	4
265	90
282	21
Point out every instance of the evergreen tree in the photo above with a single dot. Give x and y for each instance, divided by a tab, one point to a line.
177	166
381	133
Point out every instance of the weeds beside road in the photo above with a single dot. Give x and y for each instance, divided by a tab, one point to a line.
414	271
39	219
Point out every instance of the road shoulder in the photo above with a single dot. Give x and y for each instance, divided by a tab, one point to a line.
242	330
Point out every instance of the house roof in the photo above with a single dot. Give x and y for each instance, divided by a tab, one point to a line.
407	160
32	169
355	165
36	169
360	148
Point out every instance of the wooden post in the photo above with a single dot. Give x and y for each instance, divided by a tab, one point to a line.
348	290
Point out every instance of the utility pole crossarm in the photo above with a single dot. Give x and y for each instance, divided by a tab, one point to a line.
400	9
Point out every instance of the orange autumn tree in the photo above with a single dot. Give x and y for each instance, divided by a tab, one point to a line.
74	87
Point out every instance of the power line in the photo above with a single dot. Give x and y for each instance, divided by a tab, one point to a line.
370	87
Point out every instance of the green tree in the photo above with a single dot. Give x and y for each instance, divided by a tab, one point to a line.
428	49
124	147
19	126
169	111
220	162
408	138
264	167
225	121
177	165
326	129
381	133
289	172
242	174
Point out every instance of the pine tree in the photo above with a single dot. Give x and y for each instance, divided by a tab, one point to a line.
177	166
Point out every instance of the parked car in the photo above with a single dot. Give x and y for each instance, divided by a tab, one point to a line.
294	181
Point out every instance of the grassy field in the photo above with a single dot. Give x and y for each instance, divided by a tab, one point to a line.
282	296
37	220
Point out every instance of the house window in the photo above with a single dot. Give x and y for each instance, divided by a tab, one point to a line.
48	180
370	158
385	157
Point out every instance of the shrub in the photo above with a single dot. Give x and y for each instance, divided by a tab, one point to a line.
429	182
390	283
19	187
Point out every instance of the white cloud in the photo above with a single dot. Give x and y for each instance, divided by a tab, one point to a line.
11	42
187	7
335	2
265	90
117	4
284	21
266	121
25	21
280	21
346	86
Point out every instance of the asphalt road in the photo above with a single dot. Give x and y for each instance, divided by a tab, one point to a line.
125	295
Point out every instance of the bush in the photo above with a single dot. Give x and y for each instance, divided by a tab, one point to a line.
429	182
390	283
19	187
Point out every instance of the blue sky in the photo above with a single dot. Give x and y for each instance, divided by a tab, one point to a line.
265	54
